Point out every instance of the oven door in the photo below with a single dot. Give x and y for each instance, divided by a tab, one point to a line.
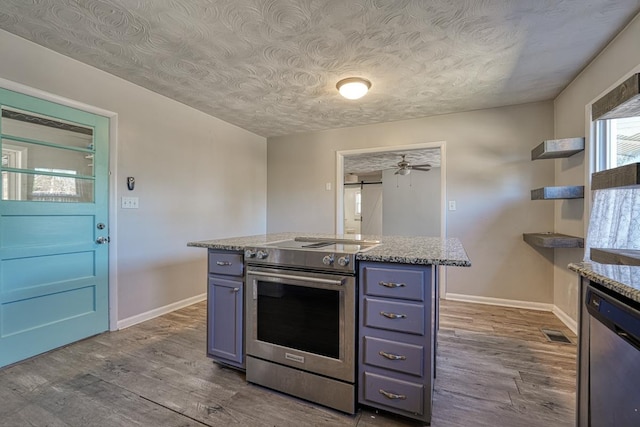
303	320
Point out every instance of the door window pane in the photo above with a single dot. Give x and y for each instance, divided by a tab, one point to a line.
62	151
46	188
42	128
42	157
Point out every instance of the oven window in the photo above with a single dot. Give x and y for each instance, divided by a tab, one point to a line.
298	317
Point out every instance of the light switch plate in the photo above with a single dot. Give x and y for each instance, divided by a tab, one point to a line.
129	203
452	205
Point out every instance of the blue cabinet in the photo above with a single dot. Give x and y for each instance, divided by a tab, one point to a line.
397	334
225	310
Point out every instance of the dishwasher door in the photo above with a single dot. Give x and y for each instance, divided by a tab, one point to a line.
614	352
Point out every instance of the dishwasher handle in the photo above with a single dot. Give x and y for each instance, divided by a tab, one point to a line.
615	315
635	342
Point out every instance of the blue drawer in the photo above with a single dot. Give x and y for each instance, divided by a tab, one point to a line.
397	356
390	392
394	316
226	263
394	283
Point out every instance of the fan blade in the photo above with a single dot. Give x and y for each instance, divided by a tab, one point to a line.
425	165
397	172
421	169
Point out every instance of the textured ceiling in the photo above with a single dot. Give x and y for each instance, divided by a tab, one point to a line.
366	163
270	66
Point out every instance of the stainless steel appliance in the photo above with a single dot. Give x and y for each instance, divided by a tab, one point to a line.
301	317
614	353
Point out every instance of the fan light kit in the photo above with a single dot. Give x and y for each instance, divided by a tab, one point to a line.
404	167
353	87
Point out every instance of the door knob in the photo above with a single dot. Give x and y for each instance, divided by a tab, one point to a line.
102	240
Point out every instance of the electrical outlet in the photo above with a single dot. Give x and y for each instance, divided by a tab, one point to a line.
129	203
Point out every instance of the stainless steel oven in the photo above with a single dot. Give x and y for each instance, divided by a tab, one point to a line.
300	322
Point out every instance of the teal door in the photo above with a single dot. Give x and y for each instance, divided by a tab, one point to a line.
53	226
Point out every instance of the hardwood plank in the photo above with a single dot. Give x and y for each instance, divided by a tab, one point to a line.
88	401
494	368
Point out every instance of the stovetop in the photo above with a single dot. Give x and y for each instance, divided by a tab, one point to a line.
323	246
310	253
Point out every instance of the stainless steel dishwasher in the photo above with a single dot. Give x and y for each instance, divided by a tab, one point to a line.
614	368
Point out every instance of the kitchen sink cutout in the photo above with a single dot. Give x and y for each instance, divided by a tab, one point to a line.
556	336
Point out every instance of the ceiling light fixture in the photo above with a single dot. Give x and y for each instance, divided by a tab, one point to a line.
353	87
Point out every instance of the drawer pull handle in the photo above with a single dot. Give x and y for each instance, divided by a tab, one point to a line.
389	395
392	356
223	263
235	290
392	284
393	315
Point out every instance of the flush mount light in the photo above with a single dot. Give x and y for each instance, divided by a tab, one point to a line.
353	87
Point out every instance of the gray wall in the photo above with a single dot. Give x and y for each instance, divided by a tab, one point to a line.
616	61
411	203
186	168
489	174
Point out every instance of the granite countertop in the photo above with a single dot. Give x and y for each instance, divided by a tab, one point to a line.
394	249
622	279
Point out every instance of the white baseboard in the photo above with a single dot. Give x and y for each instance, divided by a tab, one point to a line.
501	302
566	319
142	317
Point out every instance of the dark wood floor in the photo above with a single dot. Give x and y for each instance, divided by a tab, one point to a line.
495	368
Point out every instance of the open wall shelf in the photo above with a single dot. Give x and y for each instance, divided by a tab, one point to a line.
558	148
622	101
627	176
555	193
616	256
553	240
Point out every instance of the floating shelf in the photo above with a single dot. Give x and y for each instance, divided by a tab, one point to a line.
627	176
554	193
553	240
622	101
616	256
558	148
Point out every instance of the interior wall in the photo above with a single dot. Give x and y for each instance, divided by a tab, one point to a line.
618	59
187	177
489	175
411	203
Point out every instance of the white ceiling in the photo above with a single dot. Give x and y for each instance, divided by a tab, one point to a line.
366	163
270	66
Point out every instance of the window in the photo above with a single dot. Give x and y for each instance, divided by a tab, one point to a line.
619	142
358	203
12	157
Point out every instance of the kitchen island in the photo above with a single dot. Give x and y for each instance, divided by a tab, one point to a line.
331	318
393	249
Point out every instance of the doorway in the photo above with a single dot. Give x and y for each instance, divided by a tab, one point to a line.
420	192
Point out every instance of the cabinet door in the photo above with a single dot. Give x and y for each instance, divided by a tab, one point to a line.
225	314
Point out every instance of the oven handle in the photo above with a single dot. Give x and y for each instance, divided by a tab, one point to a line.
293	277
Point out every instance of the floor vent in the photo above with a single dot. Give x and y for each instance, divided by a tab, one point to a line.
556	336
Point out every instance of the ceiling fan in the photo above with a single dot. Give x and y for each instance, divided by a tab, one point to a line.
405	168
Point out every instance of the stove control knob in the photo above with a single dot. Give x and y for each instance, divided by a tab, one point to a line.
262	254
343	261
249	253
328	260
